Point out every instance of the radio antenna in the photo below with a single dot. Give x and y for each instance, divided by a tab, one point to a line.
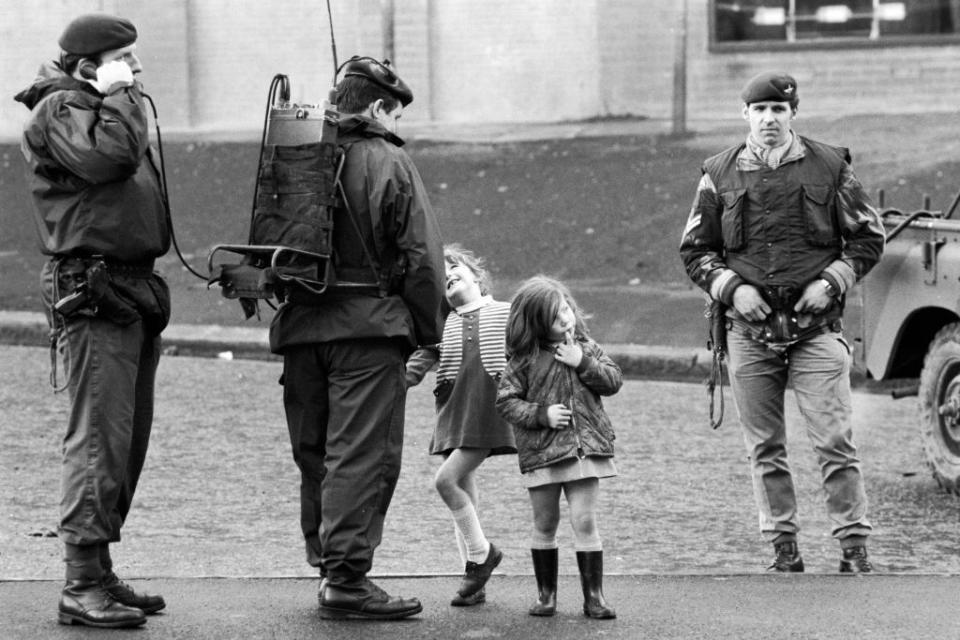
333	44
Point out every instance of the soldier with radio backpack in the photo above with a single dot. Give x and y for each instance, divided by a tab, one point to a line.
779	233
344	350
101	218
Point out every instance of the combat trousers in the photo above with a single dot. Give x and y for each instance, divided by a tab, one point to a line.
110	372
345	404
819	371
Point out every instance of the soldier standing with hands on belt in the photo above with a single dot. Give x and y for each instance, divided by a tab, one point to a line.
779	232
101	219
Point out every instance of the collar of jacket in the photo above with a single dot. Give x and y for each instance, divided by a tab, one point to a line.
360	126
754	157
51	78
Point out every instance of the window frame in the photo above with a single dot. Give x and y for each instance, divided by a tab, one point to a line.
747	46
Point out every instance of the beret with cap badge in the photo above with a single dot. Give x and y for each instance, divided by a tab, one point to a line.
95	33
380	74
771	85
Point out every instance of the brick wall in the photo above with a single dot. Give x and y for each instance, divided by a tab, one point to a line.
522	61
209	63
889	79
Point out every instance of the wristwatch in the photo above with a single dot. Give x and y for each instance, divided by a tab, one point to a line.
828	288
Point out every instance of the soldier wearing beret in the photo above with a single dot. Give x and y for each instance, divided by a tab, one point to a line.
779	233
344	352
101	220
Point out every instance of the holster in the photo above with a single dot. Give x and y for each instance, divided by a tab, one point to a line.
784	325
717	316
130	294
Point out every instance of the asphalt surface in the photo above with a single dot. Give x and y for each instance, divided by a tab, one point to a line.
665	607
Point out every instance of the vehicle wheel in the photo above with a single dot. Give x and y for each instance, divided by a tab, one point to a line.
940	407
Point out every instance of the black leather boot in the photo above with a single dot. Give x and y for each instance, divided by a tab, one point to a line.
85	601
124	593
787	559
364	600
545	569
855	561
590	564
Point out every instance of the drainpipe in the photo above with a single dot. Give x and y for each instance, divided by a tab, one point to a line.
432	60
387	22
680	73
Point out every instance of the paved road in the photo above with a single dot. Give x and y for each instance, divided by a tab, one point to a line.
737	607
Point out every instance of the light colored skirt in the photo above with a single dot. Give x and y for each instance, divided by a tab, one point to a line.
571	470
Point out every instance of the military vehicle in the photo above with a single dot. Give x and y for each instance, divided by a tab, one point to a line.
909	327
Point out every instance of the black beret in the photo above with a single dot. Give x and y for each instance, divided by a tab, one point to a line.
95	33
771	85
380	74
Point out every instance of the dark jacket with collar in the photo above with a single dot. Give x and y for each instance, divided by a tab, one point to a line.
528	387
95	188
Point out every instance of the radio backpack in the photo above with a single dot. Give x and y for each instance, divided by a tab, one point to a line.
296	193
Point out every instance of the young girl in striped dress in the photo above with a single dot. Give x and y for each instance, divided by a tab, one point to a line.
469	362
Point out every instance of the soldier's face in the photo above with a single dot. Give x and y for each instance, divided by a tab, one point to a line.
769	121
127	54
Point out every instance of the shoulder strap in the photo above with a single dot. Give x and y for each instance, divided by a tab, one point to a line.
367	251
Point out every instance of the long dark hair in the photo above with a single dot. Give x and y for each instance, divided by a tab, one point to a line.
532	311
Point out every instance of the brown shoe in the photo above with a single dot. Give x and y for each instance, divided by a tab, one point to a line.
475	574
478	598
364	601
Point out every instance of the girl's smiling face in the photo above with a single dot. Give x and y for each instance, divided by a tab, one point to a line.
563	324
462	286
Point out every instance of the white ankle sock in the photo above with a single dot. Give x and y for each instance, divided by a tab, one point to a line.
468	524
461	543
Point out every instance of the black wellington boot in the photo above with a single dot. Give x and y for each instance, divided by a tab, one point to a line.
590	564
545	569
85	601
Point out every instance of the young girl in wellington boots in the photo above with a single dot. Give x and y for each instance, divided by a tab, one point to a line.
469	362
550	392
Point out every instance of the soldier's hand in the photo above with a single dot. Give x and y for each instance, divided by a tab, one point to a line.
558	416
815	298
750	304
112	76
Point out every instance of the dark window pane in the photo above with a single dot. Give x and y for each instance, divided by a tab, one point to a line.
751	20
805	20
922	17
831	19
